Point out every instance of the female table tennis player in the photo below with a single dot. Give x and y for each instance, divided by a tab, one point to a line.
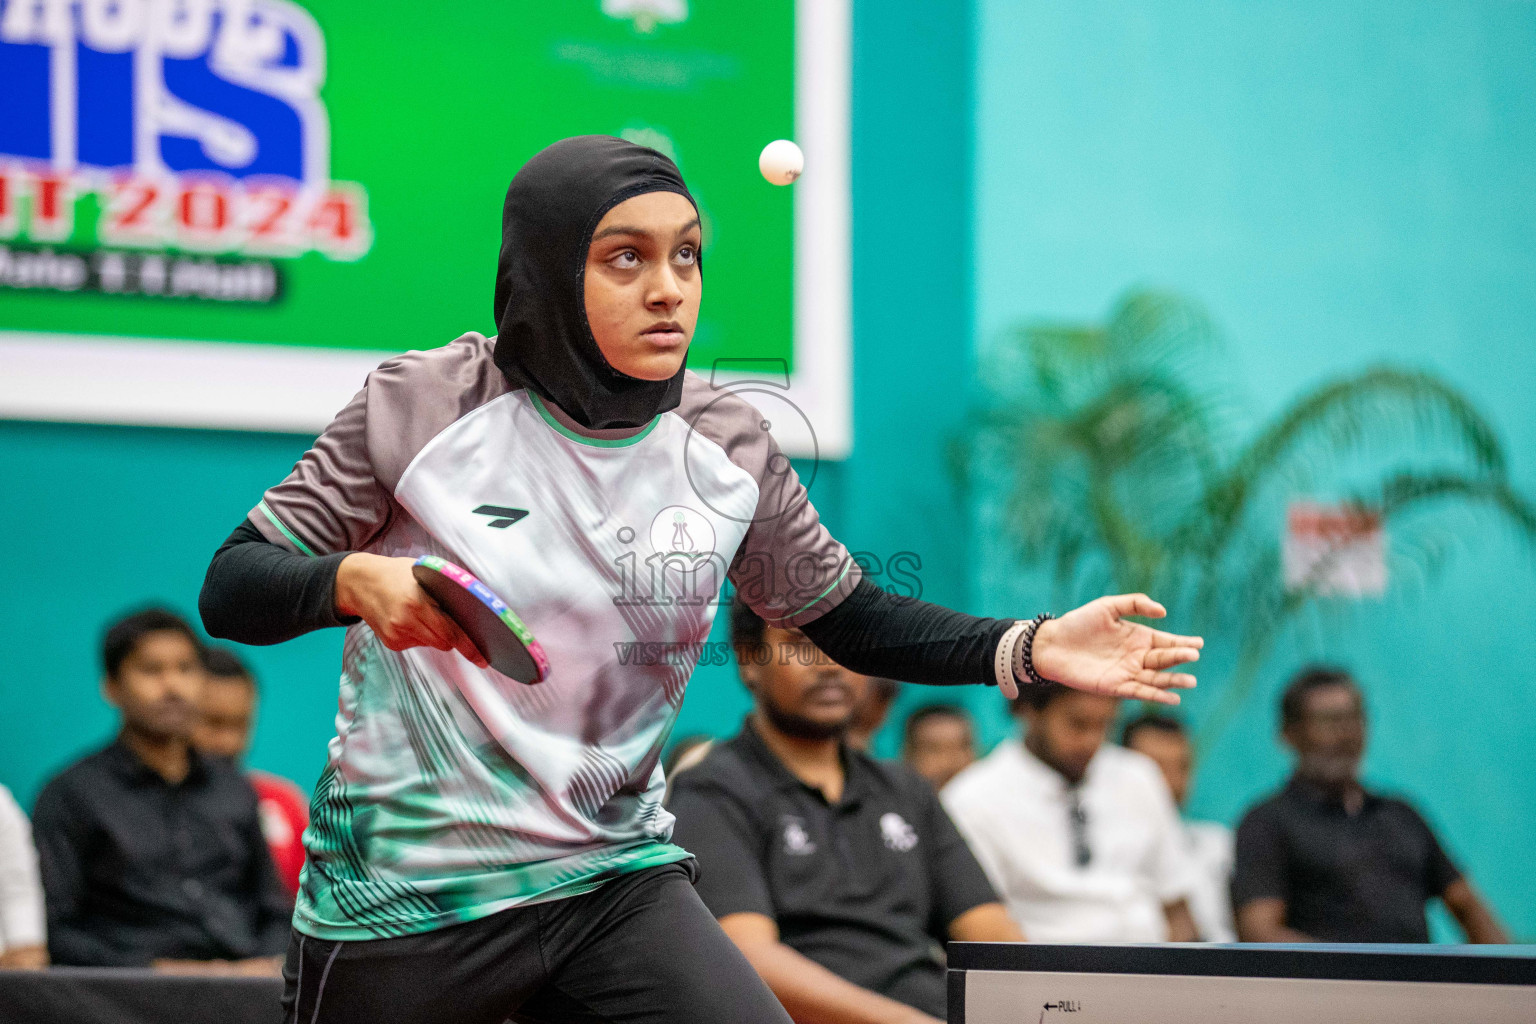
480	847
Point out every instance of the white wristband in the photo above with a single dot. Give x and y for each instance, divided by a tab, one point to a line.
1018	655
1006	659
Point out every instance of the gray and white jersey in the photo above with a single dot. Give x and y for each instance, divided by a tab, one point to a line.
452	792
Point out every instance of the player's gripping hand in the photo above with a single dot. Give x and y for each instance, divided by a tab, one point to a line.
384	593
1093	648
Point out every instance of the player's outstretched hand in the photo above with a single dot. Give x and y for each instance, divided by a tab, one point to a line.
384	593
1094	649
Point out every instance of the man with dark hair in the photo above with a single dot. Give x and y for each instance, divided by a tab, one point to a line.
1293	699
938	742
834	873
227	711
1079	837
226	722
1207	844
151	854
1326	860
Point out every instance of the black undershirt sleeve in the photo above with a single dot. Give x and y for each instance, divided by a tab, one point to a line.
257	592
879	634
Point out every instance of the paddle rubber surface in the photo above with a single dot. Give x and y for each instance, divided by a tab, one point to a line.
485	618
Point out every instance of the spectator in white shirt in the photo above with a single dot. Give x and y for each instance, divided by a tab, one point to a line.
1080	838
22	941
1208	844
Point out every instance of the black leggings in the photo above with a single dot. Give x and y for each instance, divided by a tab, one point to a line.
640	948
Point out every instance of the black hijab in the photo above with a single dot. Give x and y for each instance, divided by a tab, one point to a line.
544	342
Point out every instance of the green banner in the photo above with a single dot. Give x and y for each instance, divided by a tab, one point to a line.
424	114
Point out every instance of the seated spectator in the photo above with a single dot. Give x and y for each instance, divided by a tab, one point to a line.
938	742
1207	844
1325	859
152	854
21	894
1079	837
871	708
835	874
226	720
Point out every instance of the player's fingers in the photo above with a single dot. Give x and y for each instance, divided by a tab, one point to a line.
465	646
1167	680
1151	694
402	634
472	653
1167	657
435	629
1136	604
447	635
1161	639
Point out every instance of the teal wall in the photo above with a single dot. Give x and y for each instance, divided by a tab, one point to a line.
132	515
1339	182
100	520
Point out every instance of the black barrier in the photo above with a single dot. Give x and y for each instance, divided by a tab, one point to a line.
98	995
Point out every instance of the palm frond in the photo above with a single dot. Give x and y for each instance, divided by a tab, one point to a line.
1151	327
1106	454
1339	418
1405	490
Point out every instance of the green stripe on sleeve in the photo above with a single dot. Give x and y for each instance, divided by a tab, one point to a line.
292	537
846	566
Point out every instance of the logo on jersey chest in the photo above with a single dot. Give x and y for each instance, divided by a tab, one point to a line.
680	532
501	516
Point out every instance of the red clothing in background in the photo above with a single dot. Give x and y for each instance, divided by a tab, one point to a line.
284	816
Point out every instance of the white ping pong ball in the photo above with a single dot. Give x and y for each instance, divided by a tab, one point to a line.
781	162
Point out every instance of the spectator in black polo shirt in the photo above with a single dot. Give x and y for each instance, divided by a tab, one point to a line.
835	874
150	854
1326	860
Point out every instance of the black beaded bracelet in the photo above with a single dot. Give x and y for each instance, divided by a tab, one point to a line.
1027	646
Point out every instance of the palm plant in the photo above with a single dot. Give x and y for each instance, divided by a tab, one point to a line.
1115	452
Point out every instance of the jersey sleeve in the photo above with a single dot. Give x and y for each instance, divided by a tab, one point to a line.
332	501
789	569
341	494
